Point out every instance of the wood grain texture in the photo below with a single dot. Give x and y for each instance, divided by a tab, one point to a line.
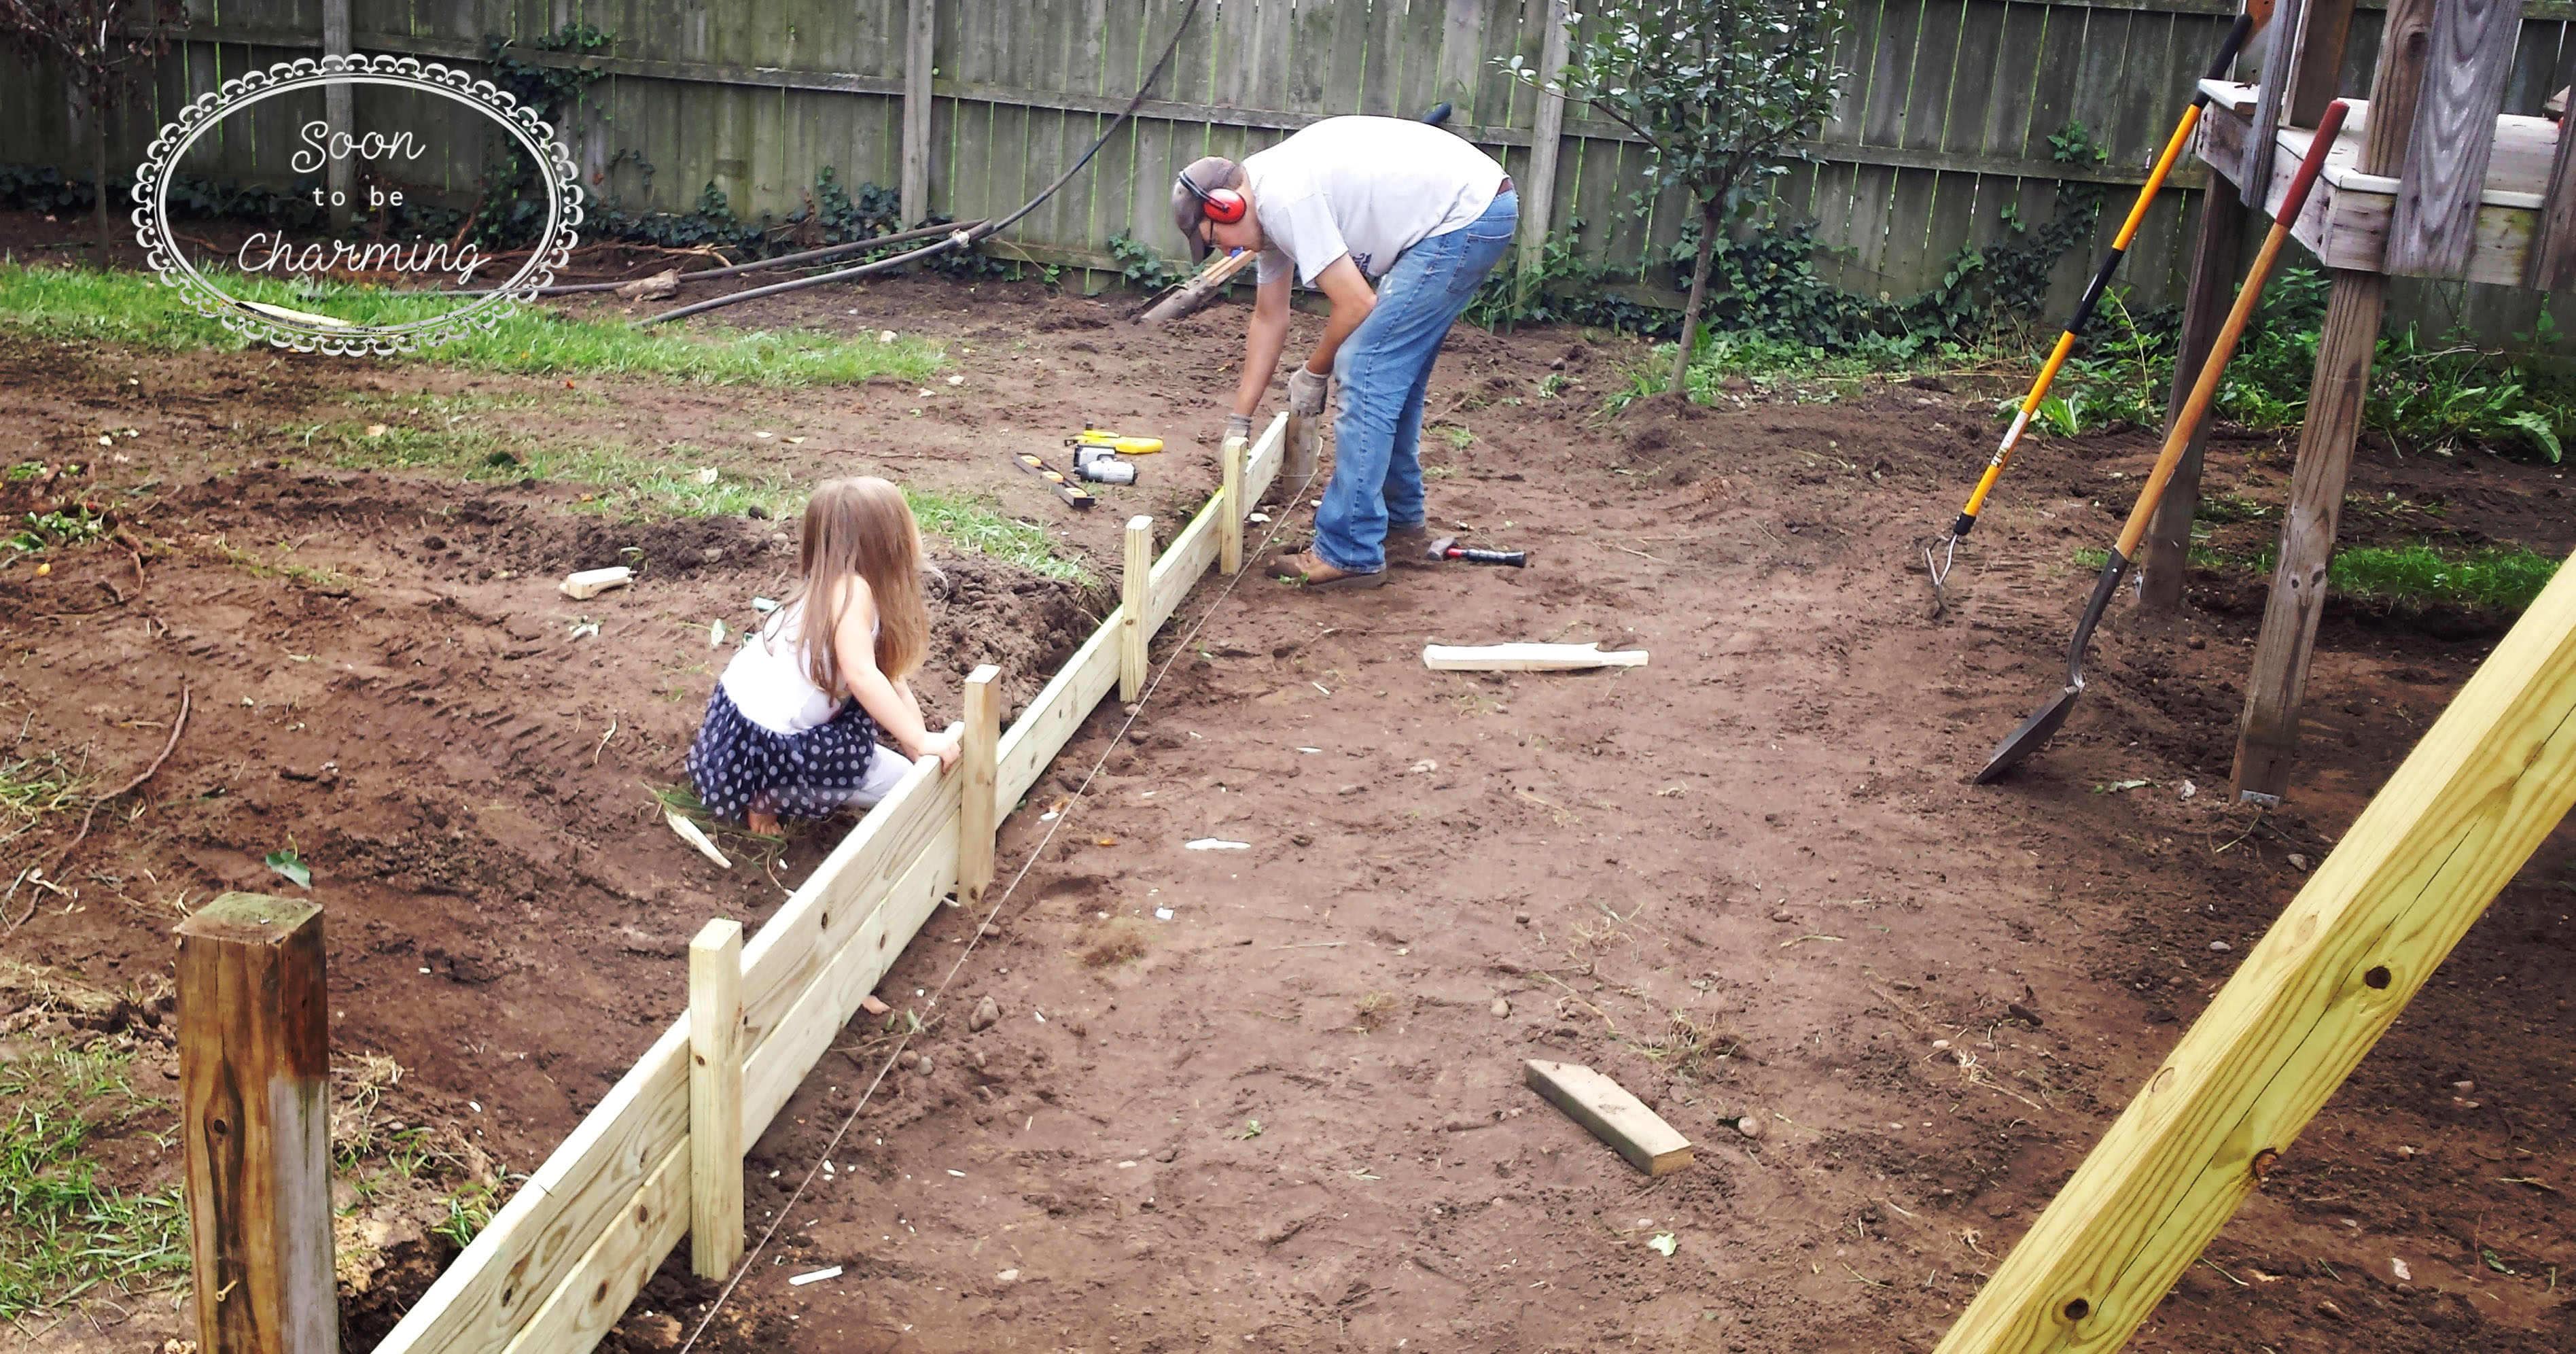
595	1292
254	1094
2553	248
1538	196
490	1292
2166	561
2254	173
1229	527
920	24
2490	780
1136	593
2268	734
715	1099
2444	172
2316	69
977	811
1611	1113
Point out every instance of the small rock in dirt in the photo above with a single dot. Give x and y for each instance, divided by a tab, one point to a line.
2197	642
987	1013
2464	1087
1007	1276
1521	917
2329	1309
1167	1155
658	1331
907	1060
756	513
2219	947
1749	1126
872	1006
2299	863
922	1067
1782	915
1502	1008
2020	1012
988	930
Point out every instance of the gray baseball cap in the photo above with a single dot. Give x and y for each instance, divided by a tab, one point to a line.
1203	174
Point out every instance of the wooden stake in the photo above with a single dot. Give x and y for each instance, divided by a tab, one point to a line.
2167	561
977	811
2268	735
1135	588
715	1099
1229	526
2491	779
255	1092
2324	29
1305	451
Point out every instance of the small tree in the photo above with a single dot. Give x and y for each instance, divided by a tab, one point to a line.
105	50
1717	89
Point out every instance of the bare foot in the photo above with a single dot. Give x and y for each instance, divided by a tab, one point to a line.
762	824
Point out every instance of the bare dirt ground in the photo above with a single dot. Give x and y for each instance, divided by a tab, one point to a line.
1748	880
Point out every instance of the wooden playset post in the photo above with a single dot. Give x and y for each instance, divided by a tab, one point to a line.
1538	193
255	1110
978	809
2455	94
2488	783
1135	589
919	29
2166	562
715	1099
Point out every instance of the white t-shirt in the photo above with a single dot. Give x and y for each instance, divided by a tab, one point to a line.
768	683
1367	187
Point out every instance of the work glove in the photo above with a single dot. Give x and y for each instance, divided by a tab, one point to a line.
1238	425
1306	392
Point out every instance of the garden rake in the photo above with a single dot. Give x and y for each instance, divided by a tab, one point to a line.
2023	741
1939	566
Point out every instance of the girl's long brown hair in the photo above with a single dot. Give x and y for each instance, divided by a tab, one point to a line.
859	527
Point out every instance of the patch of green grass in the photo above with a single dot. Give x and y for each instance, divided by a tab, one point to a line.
66	1232
2503	579
976	524
31	787
135	308
320	578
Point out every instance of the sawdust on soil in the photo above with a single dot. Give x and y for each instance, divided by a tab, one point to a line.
1749	881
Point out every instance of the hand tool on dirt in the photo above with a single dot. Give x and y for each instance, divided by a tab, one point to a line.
1939	567
1100	465
1056	479
1447	547
2021	742
1095	436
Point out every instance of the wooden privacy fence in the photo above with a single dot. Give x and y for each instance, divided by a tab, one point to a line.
661	1154
1940	139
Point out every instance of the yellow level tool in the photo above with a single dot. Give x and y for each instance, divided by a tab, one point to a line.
1124	446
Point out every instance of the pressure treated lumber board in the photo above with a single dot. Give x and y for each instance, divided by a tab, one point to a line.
596	1292
807	1030
486	1296
2490	780
1613	1115
796	942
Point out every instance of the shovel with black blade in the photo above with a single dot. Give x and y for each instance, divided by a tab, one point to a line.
2044	721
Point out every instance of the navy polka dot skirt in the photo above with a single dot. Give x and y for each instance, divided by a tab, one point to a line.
738	765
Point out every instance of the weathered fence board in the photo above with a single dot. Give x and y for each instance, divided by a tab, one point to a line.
1943	123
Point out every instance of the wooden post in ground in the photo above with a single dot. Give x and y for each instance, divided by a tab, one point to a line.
715	1099
2490	780
255	1108
2166	562
917	65
2267	735
1305	452
1135	588
1538	191
1229	527
978	811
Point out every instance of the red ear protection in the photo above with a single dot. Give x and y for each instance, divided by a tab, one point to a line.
1221	205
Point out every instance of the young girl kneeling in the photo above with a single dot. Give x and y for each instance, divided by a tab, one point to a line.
794	723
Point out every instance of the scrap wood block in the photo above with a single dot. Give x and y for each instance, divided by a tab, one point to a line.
1613	1115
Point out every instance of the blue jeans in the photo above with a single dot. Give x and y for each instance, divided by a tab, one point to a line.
1385	370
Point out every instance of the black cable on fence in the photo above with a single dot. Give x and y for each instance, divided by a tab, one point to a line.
960	238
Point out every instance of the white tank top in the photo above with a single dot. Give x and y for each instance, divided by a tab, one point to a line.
767	679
